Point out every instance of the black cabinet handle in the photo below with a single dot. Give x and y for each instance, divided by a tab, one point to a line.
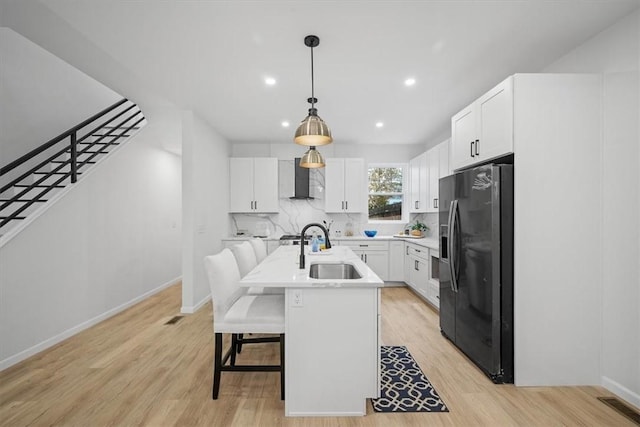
471	145
255	205
477	144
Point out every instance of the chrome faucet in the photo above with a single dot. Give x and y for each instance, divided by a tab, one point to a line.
327	244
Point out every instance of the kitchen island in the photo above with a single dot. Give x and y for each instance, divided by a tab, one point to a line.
331	331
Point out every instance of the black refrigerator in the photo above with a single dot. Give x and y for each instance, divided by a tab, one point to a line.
476	266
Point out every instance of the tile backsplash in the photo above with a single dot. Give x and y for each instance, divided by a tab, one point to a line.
295	214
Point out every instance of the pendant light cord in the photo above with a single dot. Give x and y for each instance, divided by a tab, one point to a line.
313	99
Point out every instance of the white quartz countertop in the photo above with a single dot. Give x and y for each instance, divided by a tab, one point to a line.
427	242
281	269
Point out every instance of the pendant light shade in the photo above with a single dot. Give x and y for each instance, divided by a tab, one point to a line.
312	159
312	131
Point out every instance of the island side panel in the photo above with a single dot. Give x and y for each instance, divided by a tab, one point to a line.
332	350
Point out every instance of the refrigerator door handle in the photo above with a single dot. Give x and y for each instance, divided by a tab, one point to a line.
453	214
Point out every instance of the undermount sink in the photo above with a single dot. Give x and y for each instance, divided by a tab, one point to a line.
340	271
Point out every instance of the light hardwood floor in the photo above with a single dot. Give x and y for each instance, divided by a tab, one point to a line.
133	369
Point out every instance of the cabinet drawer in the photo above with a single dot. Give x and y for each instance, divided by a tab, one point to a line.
418	252
366	245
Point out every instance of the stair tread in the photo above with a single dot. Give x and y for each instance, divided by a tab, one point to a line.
55	173
22	200
38	186
90	162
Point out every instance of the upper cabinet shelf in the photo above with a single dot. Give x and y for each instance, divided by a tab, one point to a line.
484	130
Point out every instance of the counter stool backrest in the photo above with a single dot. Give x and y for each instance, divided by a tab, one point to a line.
245	257
223	274
260	248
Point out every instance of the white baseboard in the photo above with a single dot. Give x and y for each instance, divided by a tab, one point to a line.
19	357
621	391
190	309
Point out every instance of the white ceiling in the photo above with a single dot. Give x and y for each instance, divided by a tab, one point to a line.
213	56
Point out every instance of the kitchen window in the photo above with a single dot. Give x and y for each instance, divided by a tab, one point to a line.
386	193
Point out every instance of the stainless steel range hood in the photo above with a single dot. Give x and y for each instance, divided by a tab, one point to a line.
301	184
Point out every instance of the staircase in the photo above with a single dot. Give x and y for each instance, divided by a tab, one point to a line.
43	174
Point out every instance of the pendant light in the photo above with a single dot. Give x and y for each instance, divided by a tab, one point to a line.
312	159
312	131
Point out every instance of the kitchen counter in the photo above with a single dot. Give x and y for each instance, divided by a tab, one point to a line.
280	269
427	242
322	319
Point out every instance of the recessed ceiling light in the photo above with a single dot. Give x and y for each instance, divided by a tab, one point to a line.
285	124
410	81
269	81
379	124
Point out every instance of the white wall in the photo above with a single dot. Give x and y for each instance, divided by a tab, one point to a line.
41	96
615	53
112	241
205	204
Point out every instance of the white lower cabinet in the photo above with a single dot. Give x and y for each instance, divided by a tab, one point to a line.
396	261
433	294
332	351
374	253
418	272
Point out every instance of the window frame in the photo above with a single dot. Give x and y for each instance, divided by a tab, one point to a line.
405	180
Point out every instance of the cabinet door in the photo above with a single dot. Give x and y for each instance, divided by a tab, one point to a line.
420	277
396	261
414	184
495	122
334	185
433	167
241	184
463	133
408	265
354	188
378	261
419	185
265	185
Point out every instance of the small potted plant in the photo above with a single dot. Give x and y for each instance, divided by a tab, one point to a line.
418	228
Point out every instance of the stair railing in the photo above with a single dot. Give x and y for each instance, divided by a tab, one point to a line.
72	147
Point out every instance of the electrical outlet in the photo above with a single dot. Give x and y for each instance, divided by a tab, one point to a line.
297	298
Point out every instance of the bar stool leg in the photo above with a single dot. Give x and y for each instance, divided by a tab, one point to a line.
281	366
234	347
217	365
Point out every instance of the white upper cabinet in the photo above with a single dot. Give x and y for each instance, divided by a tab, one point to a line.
344	185
433	164
425	173
418	184
253	184
484	130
